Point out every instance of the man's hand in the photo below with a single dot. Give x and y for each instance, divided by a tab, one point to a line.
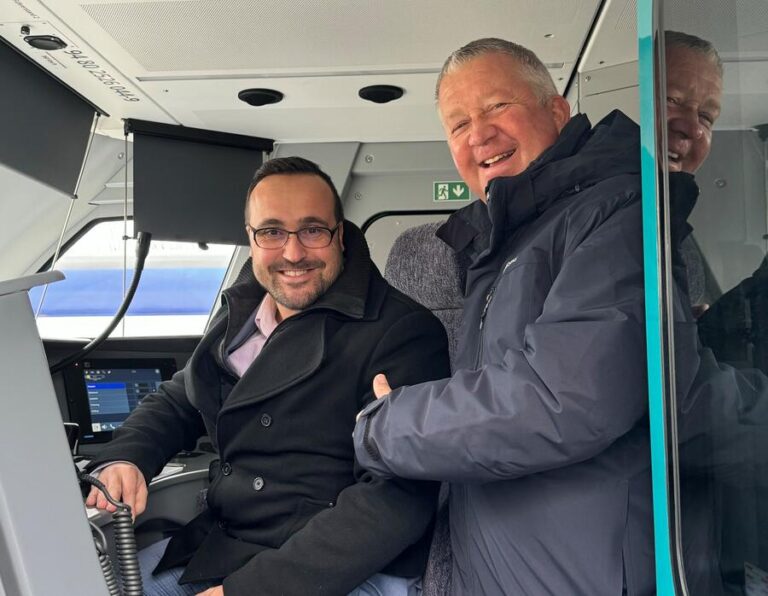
381	389
216	591
699	309
381	386
124	482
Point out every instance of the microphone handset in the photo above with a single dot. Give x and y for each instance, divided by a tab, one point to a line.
125	544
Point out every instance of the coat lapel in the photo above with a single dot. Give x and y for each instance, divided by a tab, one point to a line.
294	352
203	380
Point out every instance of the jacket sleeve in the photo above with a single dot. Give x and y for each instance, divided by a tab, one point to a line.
576	386
163	424
374	520
722	411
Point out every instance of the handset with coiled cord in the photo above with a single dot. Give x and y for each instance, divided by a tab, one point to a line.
125	544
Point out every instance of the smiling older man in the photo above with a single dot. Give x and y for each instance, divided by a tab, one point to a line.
542	429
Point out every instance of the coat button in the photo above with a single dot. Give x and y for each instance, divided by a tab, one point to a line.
226	469
223	525
258	483
266	420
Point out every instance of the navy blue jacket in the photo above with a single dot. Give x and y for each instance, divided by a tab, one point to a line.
542	430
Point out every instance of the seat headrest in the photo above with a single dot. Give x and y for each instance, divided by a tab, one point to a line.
425	268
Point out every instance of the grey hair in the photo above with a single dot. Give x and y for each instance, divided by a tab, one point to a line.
678	39
532	68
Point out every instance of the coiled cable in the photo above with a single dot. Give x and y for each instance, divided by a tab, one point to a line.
125	544
102	551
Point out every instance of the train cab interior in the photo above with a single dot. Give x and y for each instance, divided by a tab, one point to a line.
121	120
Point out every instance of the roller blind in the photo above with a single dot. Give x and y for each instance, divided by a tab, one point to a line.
45	125
190	184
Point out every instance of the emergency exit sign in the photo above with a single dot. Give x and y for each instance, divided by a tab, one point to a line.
450	191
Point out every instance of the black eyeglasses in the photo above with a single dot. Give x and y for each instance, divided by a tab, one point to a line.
309	237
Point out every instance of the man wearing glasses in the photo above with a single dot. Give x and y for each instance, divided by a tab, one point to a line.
276	384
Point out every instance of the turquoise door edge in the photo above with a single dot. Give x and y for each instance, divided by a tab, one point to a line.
665	584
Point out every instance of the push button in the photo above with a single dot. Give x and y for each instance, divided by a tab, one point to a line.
266	420
258	483
226	469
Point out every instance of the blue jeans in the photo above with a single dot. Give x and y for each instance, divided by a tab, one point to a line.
166	583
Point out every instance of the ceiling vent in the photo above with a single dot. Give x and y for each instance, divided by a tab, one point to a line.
381	93
45	42
260	97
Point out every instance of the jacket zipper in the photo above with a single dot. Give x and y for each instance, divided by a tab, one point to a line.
488	298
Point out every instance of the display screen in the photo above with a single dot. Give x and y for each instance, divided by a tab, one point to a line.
103	393
113	393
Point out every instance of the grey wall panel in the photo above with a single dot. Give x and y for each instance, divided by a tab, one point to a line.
399	176
729	219
45	545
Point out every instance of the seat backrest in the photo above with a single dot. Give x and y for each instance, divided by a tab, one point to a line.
426	269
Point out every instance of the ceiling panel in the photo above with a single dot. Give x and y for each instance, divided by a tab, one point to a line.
328	34
183	61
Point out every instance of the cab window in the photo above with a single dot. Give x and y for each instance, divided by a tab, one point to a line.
178	287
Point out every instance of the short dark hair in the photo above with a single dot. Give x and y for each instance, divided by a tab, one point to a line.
294	165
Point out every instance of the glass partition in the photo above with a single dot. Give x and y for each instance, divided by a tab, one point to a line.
712	110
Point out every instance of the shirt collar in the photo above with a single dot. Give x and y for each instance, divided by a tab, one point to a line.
266	316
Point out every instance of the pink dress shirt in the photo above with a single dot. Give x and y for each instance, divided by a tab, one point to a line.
266	321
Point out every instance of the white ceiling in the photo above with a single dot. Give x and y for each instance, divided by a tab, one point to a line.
183	61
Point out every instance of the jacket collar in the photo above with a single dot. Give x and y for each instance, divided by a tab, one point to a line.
581	157
467	229
683	194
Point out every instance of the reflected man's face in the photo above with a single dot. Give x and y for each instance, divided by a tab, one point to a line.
694	89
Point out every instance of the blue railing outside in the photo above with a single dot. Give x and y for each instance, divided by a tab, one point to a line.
161	291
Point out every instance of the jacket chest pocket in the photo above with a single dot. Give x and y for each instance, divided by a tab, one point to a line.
517	300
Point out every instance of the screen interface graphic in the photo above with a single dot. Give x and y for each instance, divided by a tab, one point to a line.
115	393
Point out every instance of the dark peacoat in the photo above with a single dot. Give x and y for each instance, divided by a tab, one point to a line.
289	511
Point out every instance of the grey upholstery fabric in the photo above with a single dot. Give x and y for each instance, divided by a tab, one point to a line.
424	267
694	265
437	576
702	285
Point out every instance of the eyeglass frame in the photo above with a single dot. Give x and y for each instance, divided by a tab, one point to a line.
253	231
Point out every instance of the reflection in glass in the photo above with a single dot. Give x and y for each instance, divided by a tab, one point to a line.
717	225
